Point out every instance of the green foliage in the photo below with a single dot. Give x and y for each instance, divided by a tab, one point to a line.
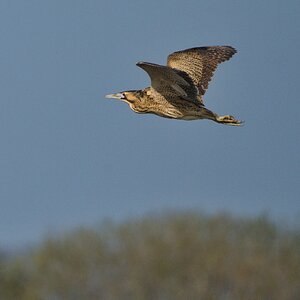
175	256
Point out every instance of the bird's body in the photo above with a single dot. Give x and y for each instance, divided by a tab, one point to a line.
155	103
176	89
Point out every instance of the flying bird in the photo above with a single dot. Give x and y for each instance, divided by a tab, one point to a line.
177	89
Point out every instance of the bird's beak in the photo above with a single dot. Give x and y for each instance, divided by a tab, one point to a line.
119	96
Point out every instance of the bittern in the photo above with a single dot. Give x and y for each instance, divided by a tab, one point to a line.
177	89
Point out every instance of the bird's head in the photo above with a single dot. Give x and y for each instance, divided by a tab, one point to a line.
132	98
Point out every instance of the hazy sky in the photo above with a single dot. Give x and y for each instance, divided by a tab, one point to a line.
70	157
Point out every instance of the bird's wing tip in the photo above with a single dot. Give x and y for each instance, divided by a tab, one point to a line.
233	49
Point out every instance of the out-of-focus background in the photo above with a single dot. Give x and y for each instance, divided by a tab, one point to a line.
69	158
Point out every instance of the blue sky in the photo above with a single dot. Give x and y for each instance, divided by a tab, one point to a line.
70	157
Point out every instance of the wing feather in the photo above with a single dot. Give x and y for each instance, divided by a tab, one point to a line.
170	82
188	72
200	63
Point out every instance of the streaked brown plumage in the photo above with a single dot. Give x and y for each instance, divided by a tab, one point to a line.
177	89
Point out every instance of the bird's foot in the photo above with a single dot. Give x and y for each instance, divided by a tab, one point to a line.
229	120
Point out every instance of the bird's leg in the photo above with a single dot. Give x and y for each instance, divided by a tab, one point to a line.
228	120
208	114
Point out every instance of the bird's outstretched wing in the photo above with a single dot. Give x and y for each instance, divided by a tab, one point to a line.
200	63
168	81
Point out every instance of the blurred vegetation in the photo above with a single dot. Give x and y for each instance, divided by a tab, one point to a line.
171	256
